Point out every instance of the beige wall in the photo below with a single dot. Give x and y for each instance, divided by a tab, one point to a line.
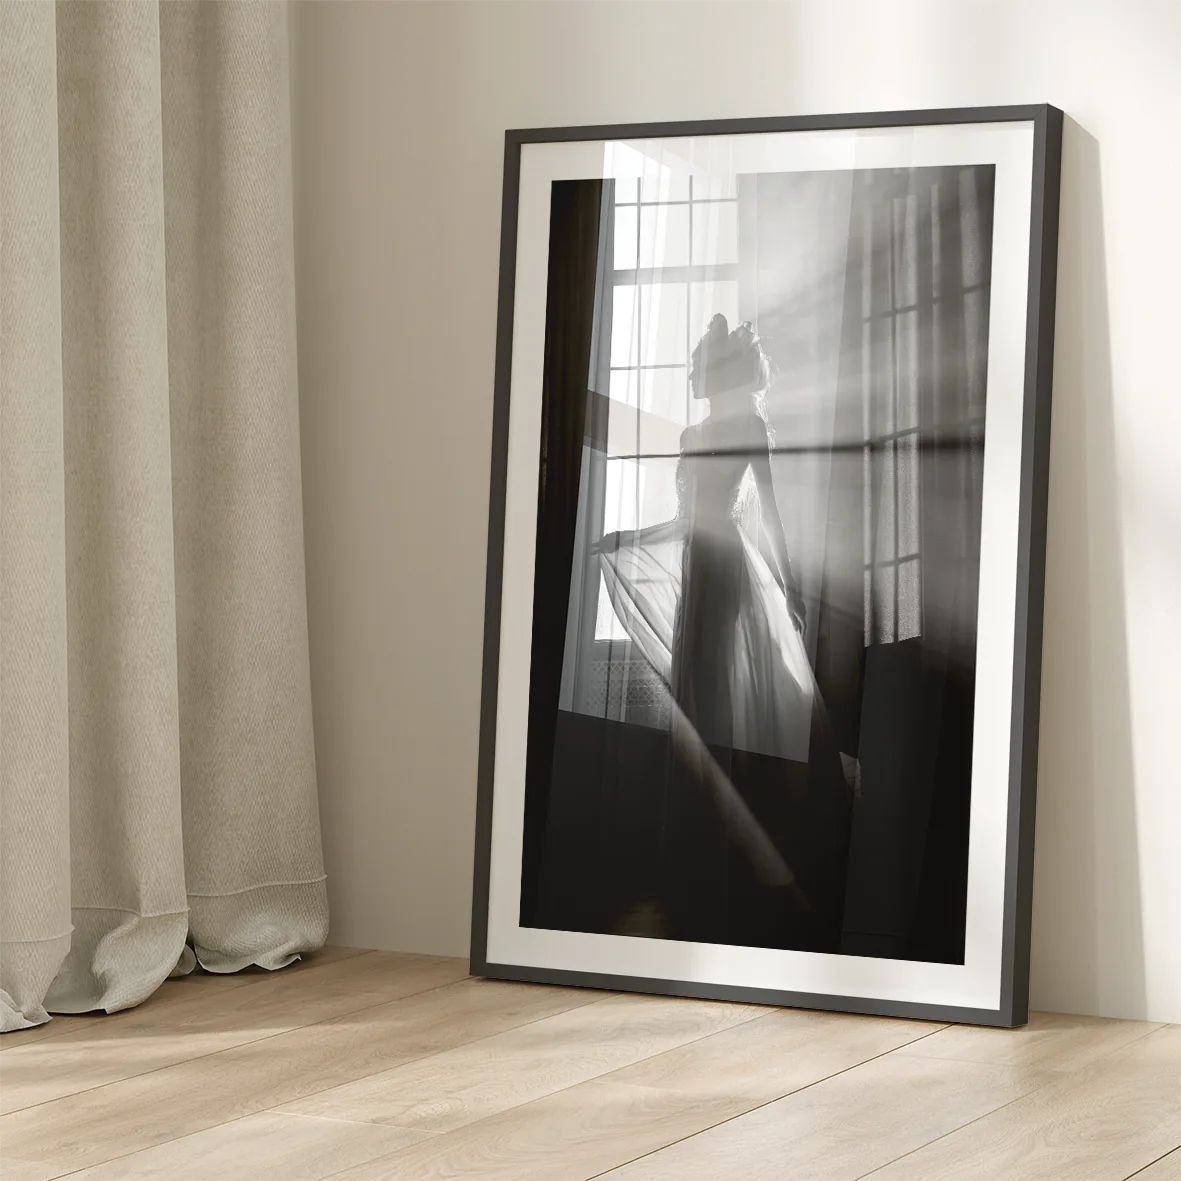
401	110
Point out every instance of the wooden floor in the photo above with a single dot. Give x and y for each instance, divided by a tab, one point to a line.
372	1065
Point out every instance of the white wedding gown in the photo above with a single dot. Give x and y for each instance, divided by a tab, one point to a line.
697	597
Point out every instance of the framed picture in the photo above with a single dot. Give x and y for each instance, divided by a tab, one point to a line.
766	560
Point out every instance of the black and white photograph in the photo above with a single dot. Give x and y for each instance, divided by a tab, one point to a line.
754	626
768	384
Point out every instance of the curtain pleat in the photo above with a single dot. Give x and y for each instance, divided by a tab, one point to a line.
252	833
192	813
34	701
127	861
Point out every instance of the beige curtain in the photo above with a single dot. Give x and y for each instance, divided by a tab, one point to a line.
156	760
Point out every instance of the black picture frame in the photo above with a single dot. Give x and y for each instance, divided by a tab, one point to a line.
1047	123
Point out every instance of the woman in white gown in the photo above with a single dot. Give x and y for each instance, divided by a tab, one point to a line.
709	598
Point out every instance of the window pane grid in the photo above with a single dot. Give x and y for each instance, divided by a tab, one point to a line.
649	303
894	297
643	317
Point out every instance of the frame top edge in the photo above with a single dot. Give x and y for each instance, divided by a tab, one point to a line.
845	121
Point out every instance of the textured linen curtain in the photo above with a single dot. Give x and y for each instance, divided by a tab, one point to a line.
156	759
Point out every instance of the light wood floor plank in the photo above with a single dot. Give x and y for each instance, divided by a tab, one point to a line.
1061	1041
842	1127
15	1169
781	1051
91	1127
268	1146
1116	1116
151	1038
568	1136
482	1078
64	1023
175	993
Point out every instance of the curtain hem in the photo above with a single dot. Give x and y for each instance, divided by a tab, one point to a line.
270	931
38	939
260	886
12	1017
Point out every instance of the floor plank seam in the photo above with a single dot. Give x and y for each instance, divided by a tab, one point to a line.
426	1133
1152	1028
739	1115
1158	1160
966	1124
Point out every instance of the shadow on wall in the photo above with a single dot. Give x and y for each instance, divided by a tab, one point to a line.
1088	949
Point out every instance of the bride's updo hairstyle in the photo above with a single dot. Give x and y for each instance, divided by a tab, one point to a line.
726	362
